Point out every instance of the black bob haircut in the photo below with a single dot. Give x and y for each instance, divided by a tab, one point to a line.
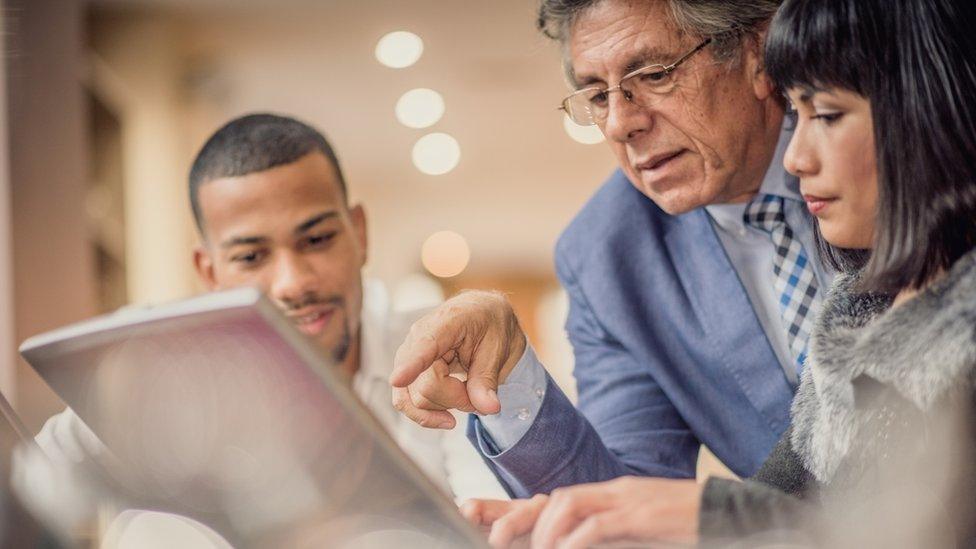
915	61
254	143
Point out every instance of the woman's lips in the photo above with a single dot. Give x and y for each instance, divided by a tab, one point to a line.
817	204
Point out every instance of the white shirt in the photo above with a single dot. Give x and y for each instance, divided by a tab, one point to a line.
446	456
752	253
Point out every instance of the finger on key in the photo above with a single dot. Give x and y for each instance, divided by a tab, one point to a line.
518	522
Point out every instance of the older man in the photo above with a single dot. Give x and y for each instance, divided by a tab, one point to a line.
691	273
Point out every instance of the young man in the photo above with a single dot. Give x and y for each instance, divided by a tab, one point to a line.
270	202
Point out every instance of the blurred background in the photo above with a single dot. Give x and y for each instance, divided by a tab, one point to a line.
442	113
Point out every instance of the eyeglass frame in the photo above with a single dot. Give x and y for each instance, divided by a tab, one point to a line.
666	69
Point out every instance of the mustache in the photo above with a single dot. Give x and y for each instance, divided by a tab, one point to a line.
311	299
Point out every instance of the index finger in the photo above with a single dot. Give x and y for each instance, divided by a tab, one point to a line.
427	341
483	512
567	508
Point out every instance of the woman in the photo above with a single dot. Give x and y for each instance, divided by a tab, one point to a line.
885	149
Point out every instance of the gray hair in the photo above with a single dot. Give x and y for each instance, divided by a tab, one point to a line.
726	22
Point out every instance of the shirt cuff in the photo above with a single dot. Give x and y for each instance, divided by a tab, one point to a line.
521	397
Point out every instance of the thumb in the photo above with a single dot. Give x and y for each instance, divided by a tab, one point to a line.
490	365
482	388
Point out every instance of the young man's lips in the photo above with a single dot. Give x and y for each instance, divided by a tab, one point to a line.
313	322
817	204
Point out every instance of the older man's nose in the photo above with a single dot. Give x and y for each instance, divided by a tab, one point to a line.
625	119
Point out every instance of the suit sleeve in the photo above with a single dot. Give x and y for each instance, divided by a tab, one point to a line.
625	423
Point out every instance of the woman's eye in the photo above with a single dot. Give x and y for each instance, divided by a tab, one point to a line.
828	117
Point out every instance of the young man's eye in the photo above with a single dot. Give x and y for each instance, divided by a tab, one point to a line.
320	239
248	258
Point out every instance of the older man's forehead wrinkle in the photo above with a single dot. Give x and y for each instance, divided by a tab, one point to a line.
625	44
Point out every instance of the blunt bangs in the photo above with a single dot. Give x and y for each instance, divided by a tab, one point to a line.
915	62
812	47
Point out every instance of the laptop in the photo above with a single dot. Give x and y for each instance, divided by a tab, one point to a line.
217	409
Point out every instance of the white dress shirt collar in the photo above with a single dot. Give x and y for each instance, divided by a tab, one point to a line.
777	181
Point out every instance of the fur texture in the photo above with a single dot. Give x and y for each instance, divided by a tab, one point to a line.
925	348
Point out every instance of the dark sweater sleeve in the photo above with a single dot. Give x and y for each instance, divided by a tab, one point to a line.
784	471
769	502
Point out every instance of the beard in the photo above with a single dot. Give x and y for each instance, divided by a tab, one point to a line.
341	349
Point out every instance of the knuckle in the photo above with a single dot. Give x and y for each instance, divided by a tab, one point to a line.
509	525
504	522
623	483
595	524
415	330
400	352
425	399
423	403
471	508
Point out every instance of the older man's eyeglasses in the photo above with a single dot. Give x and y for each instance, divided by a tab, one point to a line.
642	87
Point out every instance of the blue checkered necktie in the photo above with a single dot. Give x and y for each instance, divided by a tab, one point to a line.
794	278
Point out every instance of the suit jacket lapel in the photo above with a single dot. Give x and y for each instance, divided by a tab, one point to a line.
727	316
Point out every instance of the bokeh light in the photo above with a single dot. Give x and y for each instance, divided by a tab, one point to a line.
588	135
436	153
399	49
445	254
420	108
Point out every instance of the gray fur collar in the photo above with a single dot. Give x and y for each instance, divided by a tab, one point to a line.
923	349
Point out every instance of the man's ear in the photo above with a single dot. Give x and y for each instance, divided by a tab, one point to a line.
203	263
357	216
755	65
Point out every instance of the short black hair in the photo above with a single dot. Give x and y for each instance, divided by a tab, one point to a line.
915	62
254	143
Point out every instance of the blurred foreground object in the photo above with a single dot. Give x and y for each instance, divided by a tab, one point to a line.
216	409
912	484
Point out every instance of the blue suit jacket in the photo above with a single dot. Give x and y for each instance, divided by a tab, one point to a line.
669	355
